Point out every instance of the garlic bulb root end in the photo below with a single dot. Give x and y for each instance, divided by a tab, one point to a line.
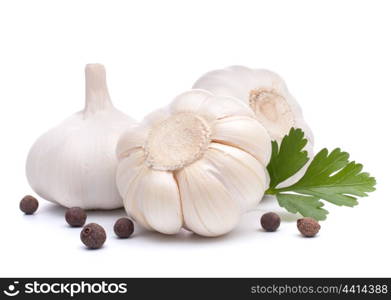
272	109
177	141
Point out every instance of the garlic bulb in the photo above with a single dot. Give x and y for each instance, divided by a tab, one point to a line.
265	92
268	96
198	163
74	164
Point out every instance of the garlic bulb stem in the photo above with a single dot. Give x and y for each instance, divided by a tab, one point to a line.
97	93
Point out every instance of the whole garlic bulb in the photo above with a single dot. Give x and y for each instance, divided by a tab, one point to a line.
198	163
74	164
265	92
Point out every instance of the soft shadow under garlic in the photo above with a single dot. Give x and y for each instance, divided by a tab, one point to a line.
187	237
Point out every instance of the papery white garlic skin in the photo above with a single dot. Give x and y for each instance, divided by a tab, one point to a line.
74	164
198	163
267	94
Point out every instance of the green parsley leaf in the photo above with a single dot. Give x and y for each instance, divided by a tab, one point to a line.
330	176
307	206
333	178
287	159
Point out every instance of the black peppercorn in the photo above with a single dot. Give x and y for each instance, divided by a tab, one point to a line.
308	227
270	221
28	205
93	236
123	227
75	216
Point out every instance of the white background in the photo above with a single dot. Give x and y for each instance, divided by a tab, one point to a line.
334	55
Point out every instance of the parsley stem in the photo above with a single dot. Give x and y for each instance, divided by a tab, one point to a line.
270	191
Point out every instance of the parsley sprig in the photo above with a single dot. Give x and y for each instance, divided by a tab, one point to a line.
330	176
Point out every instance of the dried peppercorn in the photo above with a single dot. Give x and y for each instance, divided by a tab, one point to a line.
75	216
308	227
270	221
123	227
93	236
28	205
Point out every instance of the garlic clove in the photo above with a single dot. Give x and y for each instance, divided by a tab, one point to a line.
131	141
129	169
245	133
248	160
157	208
132	204
208	207
136	138
155	118
189	101
216	107
244	177
153	200
161	204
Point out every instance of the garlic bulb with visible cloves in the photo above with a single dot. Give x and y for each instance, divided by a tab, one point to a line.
265	92
74	164
268	96
198	163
